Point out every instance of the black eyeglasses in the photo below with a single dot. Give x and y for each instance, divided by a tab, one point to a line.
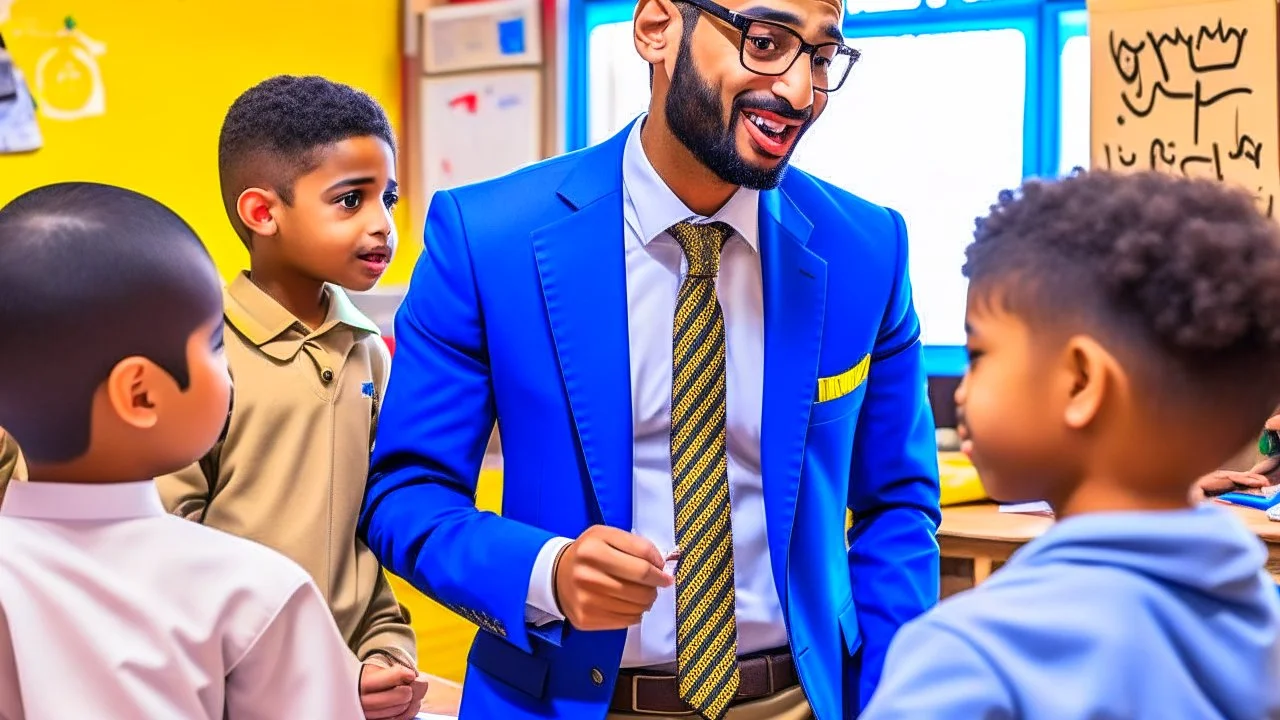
770	48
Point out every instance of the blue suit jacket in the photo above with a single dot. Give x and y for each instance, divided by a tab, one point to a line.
517	312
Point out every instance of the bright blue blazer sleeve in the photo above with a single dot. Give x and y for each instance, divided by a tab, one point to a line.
434	427
893	494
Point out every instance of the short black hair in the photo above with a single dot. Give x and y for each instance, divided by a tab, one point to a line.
90	275
1181	274
272	134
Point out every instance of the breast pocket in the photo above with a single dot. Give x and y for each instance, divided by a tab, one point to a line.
838	395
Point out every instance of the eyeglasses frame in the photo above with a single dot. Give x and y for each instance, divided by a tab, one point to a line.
744	22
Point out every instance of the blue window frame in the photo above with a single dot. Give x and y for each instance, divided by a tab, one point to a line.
1046	25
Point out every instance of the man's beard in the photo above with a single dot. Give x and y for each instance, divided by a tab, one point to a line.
693	114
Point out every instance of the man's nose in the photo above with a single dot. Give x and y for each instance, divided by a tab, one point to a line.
796	84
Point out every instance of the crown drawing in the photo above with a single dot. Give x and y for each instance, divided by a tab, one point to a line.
1217	48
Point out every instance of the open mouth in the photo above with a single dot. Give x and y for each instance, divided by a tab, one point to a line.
772	133
376	259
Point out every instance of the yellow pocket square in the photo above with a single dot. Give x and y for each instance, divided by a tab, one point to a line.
837	386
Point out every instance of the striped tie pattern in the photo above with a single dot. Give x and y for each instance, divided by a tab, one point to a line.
706	629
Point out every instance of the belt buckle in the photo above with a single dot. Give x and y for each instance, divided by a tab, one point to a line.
635	696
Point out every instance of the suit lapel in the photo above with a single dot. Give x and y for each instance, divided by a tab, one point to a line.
583	274
795	288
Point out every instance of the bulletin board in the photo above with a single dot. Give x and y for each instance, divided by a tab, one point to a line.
135	92
479	125
1188	87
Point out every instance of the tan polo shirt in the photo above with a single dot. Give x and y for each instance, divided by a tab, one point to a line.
291	470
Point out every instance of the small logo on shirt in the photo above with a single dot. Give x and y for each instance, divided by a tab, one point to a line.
366	390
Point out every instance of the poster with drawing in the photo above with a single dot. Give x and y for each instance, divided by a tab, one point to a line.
1187	87
68	81
19	132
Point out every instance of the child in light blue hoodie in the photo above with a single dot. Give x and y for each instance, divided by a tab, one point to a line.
1124	339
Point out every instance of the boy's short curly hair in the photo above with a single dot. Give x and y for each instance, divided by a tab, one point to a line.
273	133
1180	276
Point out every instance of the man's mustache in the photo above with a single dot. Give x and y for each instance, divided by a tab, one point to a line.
773	104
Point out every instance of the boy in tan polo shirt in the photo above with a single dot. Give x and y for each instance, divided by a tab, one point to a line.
307	169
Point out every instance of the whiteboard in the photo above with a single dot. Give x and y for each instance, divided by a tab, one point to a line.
478	126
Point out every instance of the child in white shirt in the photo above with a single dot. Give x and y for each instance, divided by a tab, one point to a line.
112	372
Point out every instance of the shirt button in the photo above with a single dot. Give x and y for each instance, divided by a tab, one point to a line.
597	677
326	376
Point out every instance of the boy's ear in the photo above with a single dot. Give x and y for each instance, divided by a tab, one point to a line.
1094	379
257	210
132	391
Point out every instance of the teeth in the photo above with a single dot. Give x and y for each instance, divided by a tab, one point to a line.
773	127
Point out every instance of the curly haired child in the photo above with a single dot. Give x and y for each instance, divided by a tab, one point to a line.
1124	338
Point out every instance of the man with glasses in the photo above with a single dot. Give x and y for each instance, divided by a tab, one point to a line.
698	361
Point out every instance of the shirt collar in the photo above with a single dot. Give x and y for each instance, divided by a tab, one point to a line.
659	208
261	319
77	501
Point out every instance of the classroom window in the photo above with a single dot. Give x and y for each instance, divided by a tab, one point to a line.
618	81
869	6
939	153
1075	105
1073	99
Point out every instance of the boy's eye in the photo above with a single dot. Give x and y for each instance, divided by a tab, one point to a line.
350	201
390	200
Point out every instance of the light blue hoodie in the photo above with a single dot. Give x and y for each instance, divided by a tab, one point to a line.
1113	616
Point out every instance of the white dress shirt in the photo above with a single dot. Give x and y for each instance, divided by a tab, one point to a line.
111	608
655	268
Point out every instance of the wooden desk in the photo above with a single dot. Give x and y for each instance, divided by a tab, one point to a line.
444	697
976	539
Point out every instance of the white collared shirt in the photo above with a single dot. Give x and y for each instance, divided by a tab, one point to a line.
109	607
655	268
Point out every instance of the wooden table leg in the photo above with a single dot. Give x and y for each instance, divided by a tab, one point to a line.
981	569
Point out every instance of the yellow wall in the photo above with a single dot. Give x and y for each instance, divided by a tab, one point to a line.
171	69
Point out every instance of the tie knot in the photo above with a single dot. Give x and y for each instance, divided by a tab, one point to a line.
701	245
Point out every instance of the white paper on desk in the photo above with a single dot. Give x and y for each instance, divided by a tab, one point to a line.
433	716
1030	507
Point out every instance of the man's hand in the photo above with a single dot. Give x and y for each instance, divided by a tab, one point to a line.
608	578
387	691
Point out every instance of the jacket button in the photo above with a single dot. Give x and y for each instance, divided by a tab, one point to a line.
597	677
327	376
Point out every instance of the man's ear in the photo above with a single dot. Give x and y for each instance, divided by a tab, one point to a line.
658	26
257	210
132	391
1092	378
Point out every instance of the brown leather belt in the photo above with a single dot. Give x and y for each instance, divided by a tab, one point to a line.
649	693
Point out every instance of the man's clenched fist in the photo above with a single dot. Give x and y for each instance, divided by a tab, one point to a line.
608	578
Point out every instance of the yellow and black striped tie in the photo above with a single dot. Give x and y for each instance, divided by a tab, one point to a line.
706	629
